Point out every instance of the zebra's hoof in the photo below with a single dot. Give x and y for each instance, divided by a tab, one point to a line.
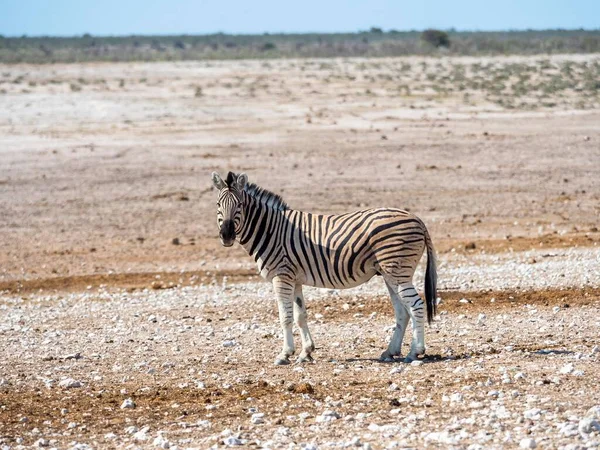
304	359
282	361
410	359
386	357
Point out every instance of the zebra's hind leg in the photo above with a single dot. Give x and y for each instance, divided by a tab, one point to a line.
401	313
416	309
300	318
284	290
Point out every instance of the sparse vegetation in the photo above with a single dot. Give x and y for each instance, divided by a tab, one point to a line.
436	38
373	43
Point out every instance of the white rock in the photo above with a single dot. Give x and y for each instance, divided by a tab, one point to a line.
232	441
519	376
229	343
532	414
527	443
464	300
141	435
457	397
161	442
69	383
556	309
481	319
587	425
393	387
110	436
417	362
327	416
41	443
257	418
568	368
128	403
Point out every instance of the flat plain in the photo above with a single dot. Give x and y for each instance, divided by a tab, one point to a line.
114	287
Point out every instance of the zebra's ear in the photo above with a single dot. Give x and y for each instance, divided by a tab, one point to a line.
242	180
218	181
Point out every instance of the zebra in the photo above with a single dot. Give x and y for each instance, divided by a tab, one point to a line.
294	248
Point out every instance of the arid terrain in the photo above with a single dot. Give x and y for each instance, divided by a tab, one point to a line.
114	287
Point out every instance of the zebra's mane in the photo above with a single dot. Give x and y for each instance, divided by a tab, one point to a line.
265	197
262	195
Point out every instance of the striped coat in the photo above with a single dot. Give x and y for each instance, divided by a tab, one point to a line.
294	248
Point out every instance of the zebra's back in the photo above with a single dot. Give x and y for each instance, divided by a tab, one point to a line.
341	251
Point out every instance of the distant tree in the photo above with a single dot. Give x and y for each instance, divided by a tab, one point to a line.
376	30
437	38
268	46
86	35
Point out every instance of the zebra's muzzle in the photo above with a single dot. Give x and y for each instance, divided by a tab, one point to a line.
227	233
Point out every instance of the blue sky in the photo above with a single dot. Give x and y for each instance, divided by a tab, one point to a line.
118	17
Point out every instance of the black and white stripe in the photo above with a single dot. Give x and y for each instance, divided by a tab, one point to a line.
295	248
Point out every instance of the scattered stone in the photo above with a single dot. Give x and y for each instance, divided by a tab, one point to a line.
229	343
128	404
176	241
527	443
257	418
416	362
304	388
141	435
327	416
457	397
161	442
69	383
566	369
232	441
481	319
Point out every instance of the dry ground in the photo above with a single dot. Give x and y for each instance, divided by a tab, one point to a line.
108	249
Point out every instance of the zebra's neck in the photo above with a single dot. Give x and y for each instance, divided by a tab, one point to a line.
260	225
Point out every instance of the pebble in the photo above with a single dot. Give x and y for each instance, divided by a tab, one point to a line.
69	383
527	443
232	441
128	404
566	369
229	343
327	416
416	363
481	319
141	435
257	418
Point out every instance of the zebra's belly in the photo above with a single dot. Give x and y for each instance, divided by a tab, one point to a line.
346	283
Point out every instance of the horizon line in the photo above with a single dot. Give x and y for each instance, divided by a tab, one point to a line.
294	33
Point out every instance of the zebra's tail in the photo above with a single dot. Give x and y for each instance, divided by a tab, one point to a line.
430	279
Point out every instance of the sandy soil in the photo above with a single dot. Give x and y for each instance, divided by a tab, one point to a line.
108	249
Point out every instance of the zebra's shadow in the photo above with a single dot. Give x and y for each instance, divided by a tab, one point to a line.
427	359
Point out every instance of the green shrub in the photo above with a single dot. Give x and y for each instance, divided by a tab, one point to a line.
437	38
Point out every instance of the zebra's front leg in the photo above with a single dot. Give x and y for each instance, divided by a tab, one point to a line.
284	290
401	314
300	318
416	309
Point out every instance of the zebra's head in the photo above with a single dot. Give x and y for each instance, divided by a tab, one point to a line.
230	214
